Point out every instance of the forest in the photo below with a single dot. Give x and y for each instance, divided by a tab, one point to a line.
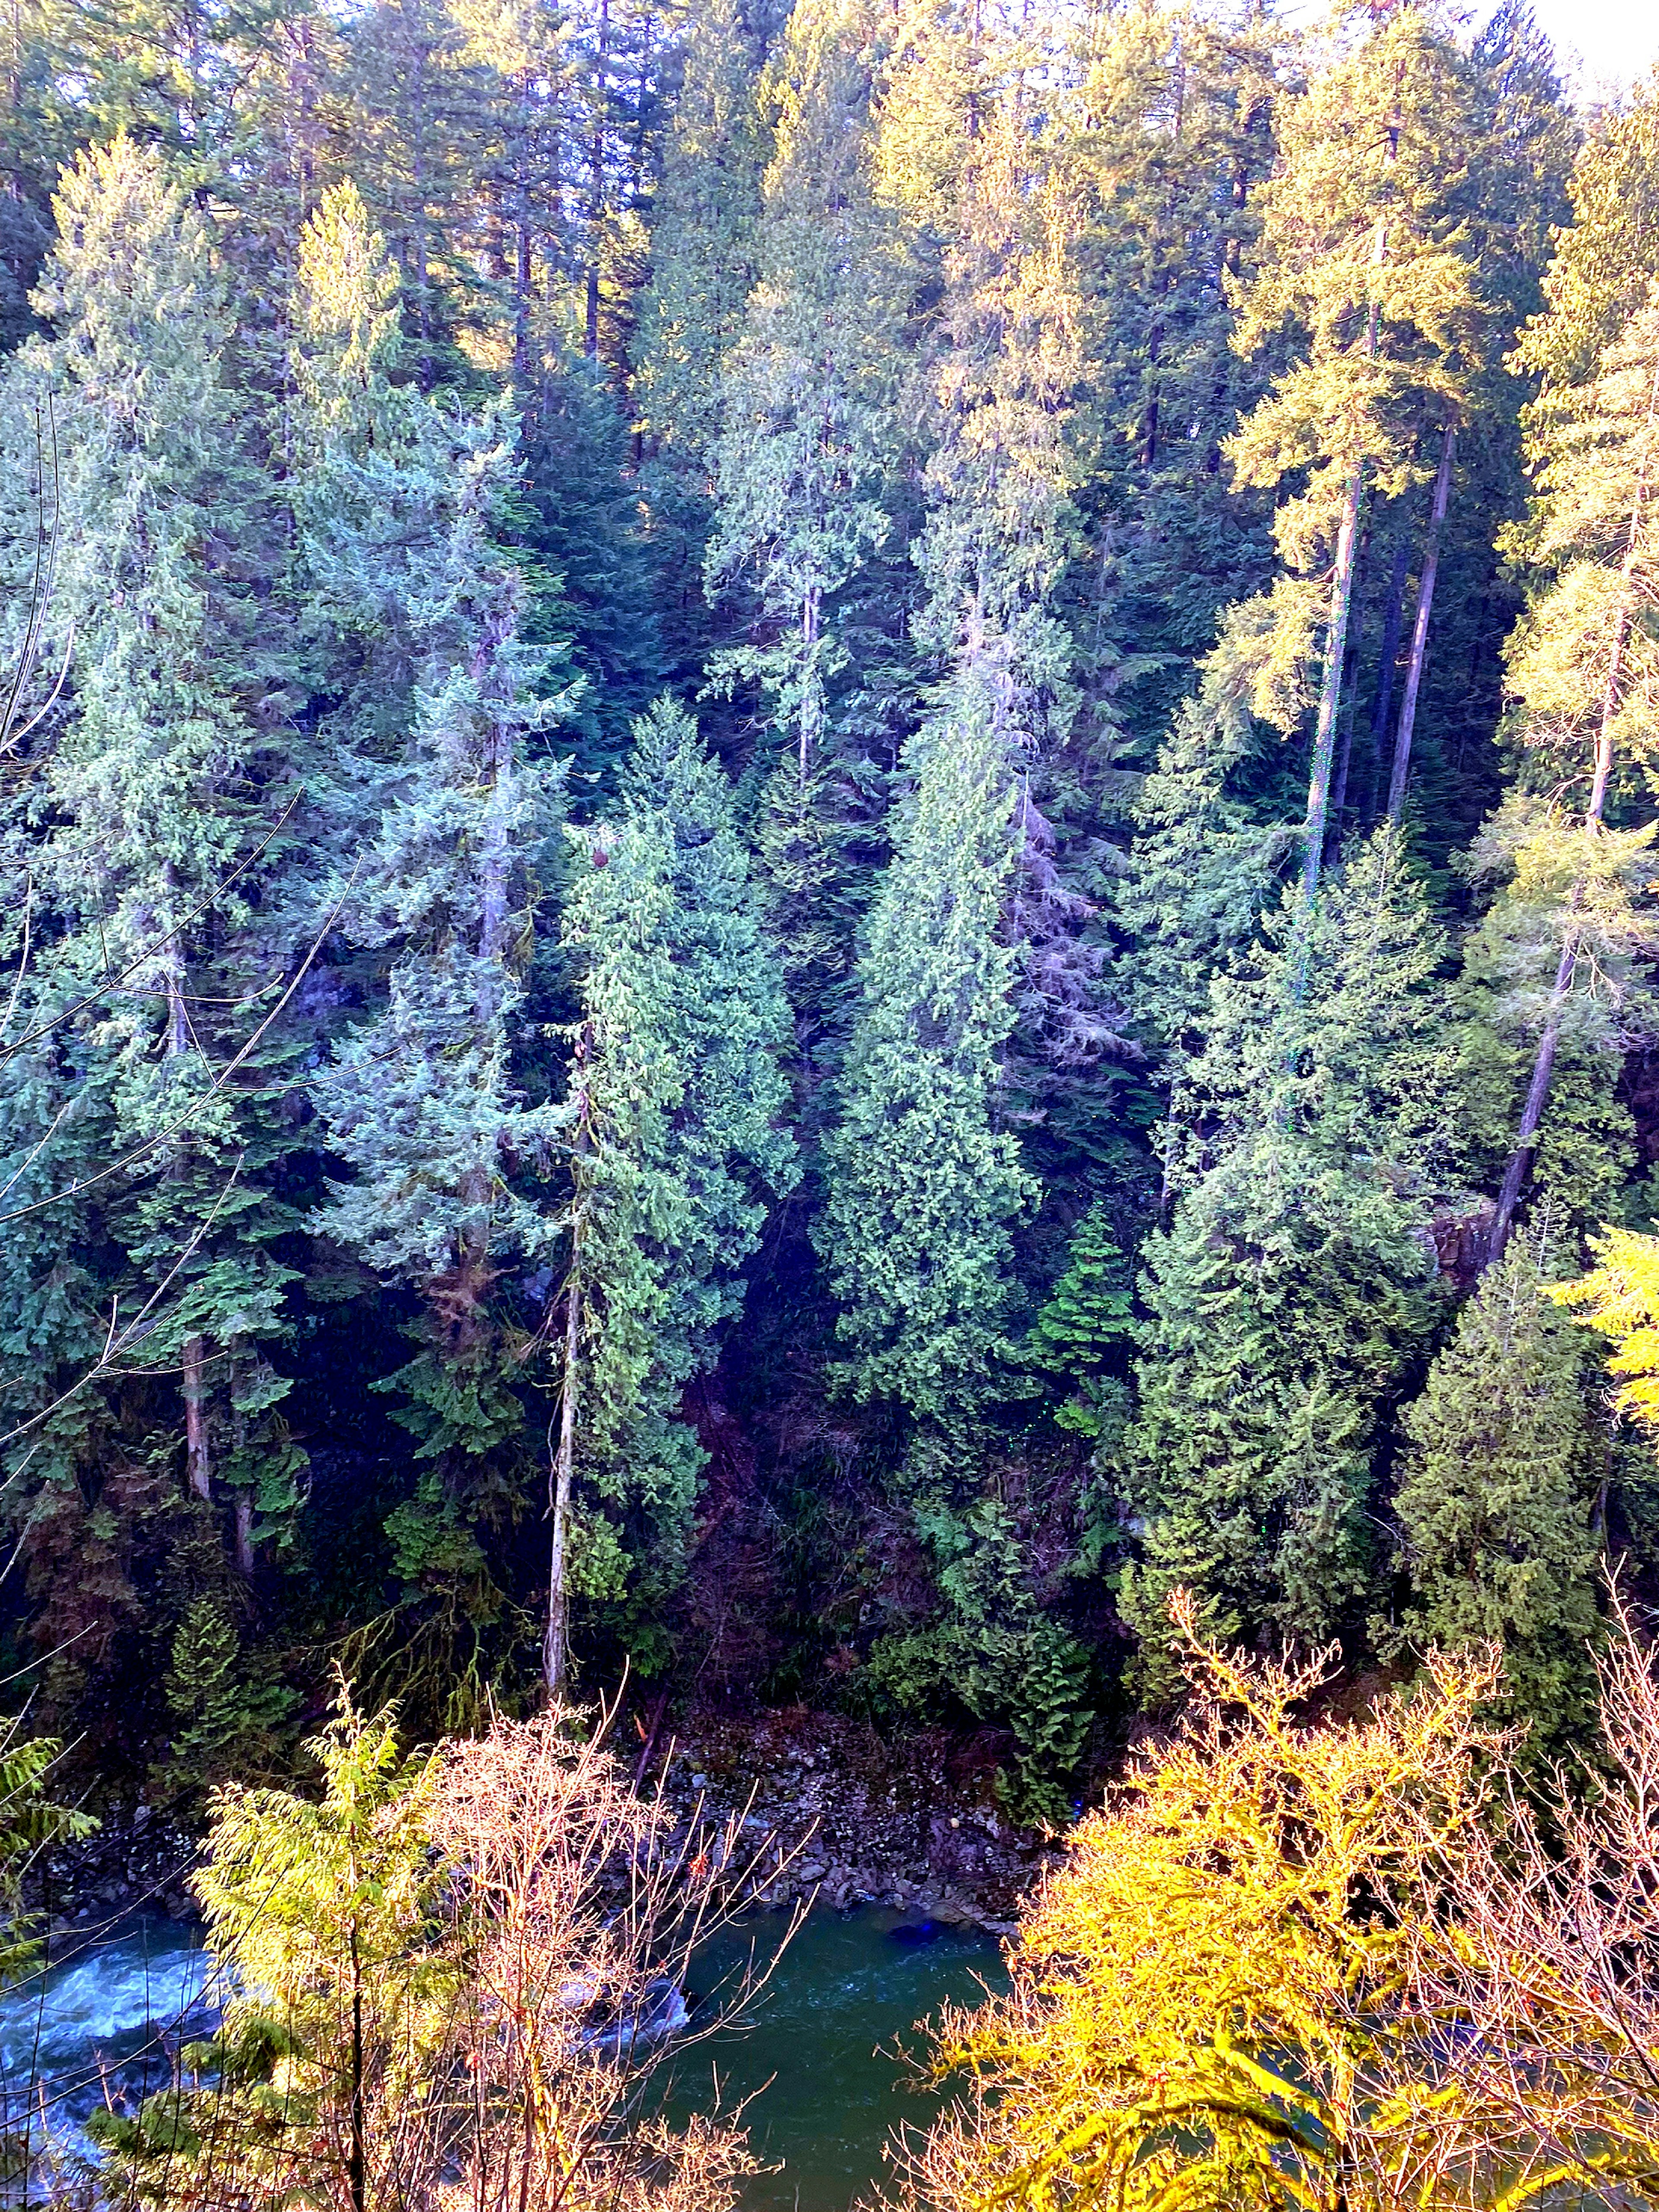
827	847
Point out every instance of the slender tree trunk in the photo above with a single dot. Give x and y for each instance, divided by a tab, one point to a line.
1330	692
557	1646
244	1533
1336	642
812	703
198	1464
1532	1113
596	181
357	2157
1402	742
1383	705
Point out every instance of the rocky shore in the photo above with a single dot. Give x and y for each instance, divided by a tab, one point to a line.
847	1818
138	1861
828	1810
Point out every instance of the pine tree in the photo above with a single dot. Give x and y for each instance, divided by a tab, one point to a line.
673	1126
1494	1497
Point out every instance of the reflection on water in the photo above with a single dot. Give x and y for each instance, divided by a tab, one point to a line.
819	2066
113	2013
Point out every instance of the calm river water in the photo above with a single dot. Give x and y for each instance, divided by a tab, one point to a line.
816	2068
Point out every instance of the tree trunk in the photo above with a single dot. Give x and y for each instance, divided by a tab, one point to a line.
1336	651
1383	704
1538	1091
596	181
812	703
245	1533
1526	1142
198	1465
1402	742
557	1648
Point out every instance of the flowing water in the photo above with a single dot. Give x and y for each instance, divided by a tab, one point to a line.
819	2074
816	2069
113	2012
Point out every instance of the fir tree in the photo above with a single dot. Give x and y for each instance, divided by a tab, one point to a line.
922	1184
1286	1298
672	1125
1494	1498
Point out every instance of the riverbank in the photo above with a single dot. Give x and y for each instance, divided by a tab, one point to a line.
842	1814
848	1817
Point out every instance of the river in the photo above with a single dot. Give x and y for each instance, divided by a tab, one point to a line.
816	2066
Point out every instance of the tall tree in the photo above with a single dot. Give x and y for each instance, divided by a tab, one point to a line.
417	601
1287	1296
1585	664
1364	253
1495	1495
672	1123
164	795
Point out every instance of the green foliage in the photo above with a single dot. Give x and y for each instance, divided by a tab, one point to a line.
221	1721
1495	1495
1287	1297
1084	1327
922	1183
673	1117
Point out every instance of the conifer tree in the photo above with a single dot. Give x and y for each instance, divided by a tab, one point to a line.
171	942
1173	136
1494	1497
923	1184
704	219
1287	1296
1084	1326
1585	664
418	614
807	434
805	467
673	1124
1363	250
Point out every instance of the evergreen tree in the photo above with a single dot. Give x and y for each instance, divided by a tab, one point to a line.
1364	251
1084	1326
1585	664
672	1123
1494	1497
421	1099
922	1184
171	944
1173	136
802	465
1287	1296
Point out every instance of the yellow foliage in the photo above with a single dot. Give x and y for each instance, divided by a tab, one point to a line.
1620	1296
1196	2018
